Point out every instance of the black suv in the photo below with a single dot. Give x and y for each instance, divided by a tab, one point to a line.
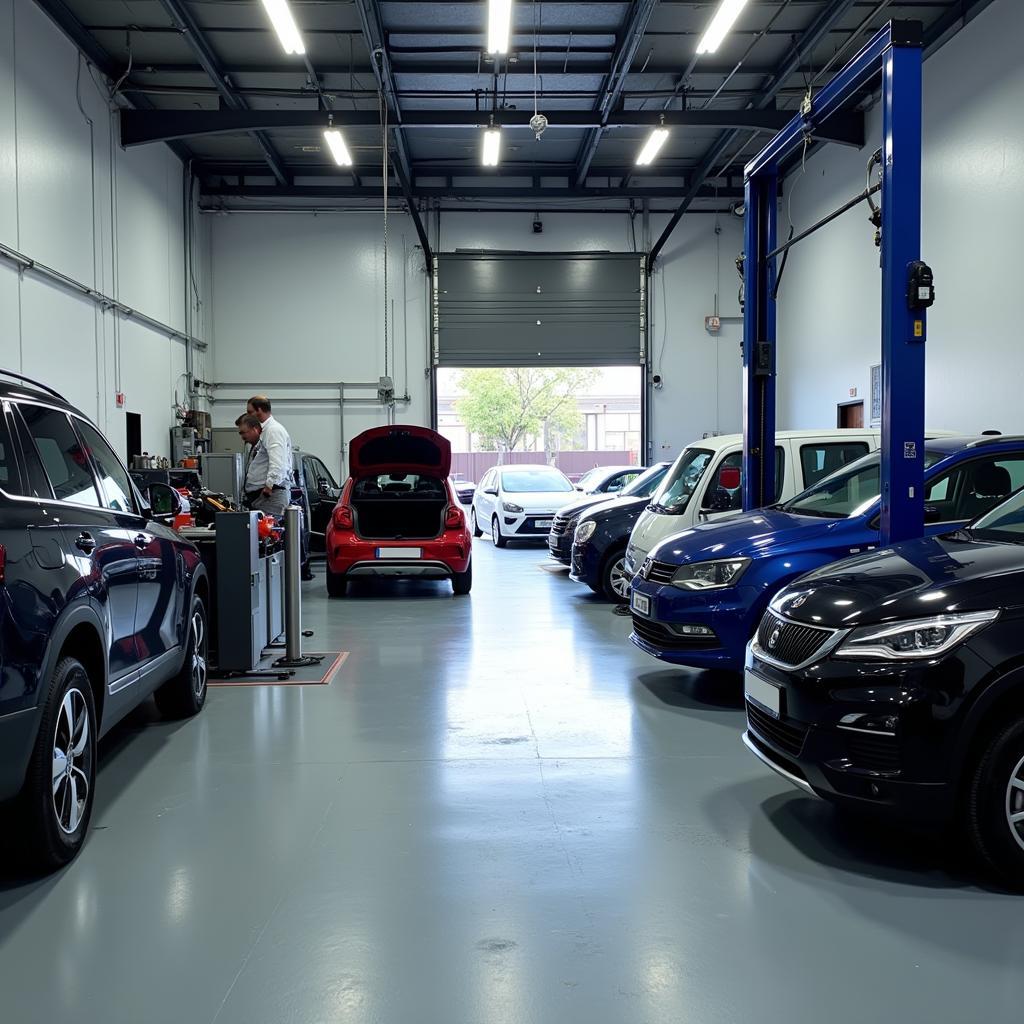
894	682
102	604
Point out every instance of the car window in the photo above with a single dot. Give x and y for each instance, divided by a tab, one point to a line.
534	481
620	480
822	459
646	483
681	480
323	471
1005	522
974	487
725	491
62	455
35	483
114	483
10	476
309	475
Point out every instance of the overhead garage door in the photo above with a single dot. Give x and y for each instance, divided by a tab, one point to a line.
539	309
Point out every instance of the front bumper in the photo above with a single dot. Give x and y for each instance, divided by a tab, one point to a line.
560	544
873	735
526	524
585	564
731	613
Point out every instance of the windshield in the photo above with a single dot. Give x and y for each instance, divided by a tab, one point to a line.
1004	522
849	492
643	486
681	481
527	481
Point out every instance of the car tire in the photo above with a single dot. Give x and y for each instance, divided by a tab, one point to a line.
477	532
184	694
463	581
336	583
612	571
499	541
995	793
54	819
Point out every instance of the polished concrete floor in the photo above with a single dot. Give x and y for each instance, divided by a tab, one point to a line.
499	811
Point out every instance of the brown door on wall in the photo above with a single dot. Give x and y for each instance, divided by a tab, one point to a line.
850	415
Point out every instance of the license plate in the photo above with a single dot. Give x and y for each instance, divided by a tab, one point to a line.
640	603
544	524
763	693
399	552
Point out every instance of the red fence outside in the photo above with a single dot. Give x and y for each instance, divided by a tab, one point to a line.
473	465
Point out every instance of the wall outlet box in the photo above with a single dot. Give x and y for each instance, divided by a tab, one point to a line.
712	324
119	399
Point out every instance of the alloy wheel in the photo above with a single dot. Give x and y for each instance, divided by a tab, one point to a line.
198	629
72	762
1015	803
619	579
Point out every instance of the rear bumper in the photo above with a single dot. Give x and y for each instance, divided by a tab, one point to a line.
420	568
17	736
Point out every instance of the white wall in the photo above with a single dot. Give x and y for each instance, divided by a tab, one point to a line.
57	206
299	297
973	209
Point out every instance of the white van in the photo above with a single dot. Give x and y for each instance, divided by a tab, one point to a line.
705	481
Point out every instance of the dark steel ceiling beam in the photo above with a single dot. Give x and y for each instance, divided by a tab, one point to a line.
189	27
804	46
140	127
637	19
497	191
373	35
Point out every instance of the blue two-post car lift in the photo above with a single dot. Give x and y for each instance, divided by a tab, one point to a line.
895	52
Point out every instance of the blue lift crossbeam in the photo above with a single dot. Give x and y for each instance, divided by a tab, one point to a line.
893	56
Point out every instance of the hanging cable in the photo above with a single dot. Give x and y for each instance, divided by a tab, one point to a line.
384	148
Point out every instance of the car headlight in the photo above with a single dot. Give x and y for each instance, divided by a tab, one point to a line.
713	575
913	638
584	532
509	507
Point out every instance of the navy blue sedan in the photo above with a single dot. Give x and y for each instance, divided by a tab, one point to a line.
698	597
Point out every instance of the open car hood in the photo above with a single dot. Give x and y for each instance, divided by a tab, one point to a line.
399	449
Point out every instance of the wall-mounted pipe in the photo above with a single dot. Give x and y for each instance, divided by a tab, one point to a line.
28	265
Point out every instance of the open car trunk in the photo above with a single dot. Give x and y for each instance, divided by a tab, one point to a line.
399	507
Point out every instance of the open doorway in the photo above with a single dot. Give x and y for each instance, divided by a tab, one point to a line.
575	418
133	425
850	414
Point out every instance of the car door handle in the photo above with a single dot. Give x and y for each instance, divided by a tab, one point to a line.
85	543
141	541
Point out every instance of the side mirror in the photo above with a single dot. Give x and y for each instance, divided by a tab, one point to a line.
322	488
932	514
721	501
165	502
493	491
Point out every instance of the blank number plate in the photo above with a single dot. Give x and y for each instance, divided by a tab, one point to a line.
544	524
399	552
763	693
641	603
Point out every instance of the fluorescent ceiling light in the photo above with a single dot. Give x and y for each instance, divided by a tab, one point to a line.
492	146
654	143
725	17
284	25
336	143
499	25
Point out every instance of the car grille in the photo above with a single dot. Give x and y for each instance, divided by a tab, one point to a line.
787	736
657	572
560	525
659	635
790	643
873	753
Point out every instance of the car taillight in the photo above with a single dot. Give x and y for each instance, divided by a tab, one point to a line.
454	518
343	518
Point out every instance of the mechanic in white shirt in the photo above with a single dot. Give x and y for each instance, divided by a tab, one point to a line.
268	483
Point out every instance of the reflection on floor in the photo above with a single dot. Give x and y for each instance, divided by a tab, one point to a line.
499	811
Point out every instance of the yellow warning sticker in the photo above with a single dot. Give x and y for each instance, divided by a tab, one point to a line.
918	328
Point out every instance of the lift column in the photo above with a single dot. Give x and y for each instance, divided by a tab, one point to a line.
903	328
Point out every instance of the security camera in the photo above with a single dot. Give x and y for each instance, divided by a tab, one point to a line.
657	381
538	226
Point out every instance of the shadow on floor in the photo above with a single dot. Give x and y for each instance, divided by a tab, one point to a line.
695	691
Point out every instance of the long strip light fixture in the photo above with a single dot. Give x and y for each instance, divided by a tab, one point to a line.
724	19
492	146
280	15
652	146
499	25
336	144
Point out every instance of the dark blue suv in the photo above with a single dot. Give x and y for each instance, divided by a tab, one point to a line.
101	605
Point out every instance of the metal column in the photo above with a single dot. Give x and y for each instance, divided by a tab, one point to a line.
759	342
903	329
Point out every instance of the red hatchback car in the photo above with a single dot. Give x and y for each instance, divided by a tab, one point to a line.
398	514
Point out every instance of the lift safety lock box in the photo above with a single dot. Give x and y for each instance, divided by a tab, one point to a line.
920	285
762	359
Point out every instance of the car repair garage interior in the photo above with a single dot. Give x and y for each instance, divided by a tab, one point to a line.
511	511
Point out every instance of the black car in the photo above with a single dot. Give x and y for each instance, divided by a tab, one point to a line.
566	520
102	605
316	492
601	533
894	681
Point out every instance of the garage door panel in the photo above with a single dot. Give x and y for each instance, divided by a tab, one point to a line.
511	309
